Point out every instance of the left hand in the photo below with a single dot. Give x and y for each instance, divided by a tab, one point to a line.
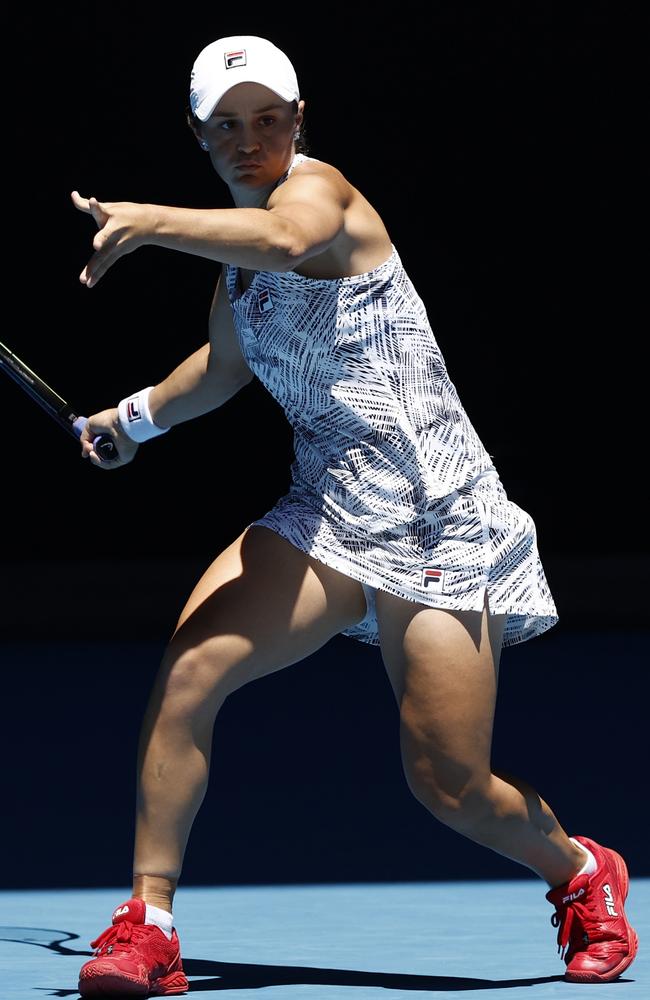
123	227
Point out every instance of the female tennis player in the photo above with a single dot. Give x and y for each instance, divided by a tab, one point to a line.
396	529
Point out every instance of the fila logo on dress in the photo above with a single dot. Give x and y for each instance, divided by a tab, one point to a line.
433	578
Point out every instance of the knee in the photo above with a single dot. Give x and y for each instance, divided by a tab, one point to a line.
449	790
189	678
454	788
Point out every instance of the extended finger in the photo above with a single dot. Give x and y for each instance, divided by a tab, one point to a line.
99	214
81	203
103	238
98	265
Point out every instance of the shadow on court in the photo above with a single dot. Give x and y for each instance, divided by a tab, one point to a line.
340	941
238	976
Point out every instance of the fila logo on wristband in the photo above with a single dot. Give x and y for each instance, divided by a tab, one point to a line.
133	410
135	417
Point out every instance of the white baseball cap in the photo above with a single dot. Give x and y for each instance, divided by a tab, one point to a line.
239	59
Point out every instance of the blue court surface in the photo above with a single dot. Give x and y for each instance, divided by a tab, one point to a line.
324	941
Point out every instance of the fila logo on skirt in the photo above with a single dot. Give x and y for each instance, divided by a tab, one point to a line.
433	578
264	301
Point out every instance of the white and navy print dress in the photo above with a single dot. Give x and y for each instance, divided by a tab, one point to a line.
391	484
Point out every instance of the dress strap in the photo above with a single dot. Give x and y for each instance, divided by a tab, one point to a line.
298	158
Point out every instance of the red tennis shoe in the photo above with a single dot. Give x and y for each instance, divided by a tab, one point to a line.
591	921
133	958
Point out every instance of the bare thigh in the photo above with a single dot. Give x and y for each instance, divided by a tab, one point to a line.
443	667
262	605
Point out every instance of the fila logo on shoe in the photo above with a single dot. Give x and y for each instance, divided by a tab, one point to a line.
609	900
120	911
574	895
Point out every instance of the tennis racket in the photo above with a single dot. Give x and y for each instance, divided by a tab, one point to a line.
52	403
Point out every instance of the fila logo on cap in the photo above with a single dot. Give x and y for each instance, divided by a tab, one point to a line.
133	410
236	58
264	301
433	578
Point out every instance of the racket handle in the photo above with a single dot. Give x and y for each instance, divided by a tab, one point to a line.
103	443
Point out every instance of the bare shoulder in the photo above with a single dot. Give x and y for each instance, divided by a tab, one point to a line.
363	241
309	177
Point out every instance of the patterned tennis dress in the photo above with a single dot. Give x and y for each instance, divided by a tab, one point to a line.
391	484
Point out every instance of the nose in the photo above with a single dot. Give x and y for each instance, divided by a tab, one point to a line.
247	139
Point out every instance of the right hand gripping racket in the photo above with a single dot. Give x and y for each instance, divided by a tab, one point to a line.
52	403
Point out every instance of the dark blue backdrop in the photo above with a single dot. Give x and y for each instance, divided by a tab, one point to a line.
306	778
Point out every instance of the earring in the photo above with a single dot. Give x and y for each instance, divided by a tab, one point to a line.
204	144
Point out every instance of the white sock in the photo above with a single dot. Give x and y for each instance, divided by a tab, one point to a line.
161	918
591	864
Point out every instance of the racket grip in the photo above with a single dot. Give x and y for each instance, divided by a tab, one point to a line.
103	443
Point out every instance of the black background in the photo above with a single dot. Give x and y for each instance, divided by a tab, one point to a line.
500	144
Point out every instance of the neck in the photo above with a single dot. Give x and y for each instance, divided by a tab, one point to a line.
257	199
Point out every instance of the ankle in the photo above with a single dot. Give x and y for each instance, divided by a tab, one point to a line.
157	890
584	858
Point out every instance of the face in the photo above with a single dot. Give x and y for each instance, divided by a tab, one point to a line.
250	135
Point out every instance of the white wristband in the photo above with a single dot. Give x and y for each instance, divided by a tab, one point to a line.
135	417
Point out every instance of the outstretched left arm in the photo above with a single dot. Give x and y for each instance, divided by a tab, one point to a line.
303	216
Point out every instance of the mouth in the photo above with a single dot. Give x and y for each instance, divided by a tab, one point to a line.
247	166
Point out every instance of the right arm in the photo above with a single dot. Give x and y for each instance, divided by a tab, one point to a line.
203	382
209	377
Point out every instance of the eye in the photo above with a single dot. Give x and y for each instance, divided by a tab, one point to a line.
228	124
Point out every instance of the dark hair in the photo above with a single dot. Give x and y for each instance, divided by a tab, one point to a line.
302	143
